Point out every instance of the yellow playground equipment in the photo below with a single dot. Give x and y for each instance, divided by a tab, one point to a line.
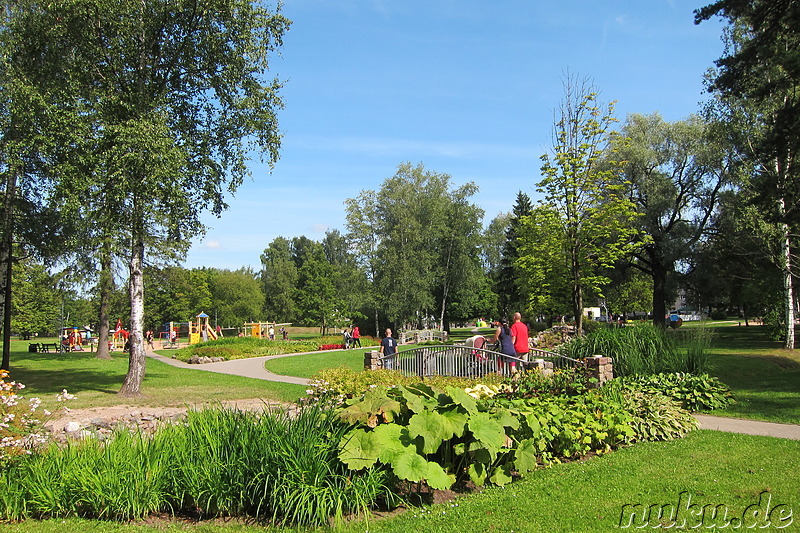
261	330
200	330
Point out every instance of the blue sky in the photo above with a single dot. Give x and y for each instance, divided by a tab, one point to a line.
468	88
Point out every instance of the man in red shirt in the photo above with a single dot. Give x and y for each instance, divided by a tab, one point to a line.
519	335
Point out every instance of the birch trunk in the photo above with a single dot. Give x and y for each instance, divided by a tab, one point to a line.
132	386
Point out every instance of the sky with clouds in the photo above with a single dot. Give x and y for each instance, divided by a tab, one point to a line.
465	87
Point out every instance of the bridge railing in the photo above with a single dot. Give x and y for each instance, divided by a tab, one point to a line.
464	361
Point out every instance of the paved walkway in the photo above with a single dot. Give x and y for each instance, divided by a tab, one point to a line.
749	427
254	368
249	368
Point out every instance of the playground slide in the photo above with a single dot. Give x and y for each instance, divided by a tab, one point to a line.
212	335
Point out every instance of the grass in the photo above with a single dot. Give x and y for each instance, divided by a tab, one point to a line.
764	377
96	382
714	468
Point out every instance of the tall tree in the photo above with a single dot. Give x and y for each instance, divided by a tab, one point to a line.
179	97
674	173
363	222
759	73
425	234
581	187
236	296
279	278
510	292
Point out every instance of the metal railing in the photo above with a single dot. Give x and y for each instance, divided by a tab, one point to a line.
464	361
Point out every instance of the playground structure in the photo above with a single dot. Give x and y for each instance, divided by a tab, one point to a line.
263	330
200	330
171	333
118	337
73	338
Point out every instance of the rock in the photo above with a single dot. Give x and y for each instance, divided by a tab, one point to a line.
72	427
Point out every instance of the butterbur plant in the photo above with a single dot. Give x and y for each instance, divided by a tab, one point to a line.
20	425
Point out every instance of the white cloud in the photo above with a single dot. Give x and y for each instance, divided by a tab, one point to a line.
212	245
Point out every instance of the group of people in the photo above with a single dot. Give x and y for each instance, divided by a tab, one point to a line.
513	339
351	337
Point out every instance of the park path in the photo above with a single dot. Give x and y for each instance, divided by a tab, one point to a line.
254	368
249	368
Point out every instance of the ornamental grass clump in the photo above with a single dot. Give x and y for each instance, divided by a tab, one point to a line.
645	349
219	462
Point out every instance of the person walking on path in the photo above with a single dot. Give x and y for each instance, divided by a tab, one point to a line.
519	333
388	347
356	337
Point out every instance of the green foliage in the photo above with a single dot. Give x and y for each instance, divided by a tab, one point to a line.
532	384
654	416
426	434
218	463
588	217
693	392
343	382
645	349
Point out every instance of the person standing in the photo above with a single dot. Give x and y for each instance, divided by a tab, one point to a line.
388	347
503	334
346	338
356	337
519	334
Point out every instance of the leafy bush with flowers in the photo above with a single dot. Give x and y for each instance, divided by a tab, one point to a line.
20	424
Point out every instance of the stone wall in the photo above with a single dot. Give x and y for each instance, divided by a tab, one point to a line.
601	368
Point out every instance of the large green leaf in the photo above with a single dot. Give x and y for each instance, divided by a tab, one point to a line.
501	475
533	423
525	456
418	397
477	473
488	430
463	399
376	407
507	419
392	440
410	466
358	449
432	427
437	478
457	420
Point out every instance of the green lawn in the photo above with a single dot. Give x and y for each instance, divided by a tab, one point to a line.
711	468
764	377
95	382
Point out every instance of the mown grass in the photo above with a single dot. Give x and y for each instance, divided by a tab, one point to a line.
96	382
714	468
764	377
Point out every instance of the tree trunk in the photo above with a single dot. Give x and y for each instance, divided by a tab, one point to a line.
106	287
659	295
132	385
7	264
788	289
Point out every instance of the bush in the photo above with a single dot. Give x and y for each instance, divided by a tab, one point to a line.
654	416
718	314
338	384
693	392
533	384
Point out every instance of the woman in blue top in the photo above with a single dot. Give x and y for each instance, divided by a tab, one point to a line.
503	334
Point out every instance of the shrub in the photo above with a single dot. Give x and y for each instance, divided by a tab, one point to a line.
654	416
532	383
20	425
718	314
438	436
338	384
693	392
